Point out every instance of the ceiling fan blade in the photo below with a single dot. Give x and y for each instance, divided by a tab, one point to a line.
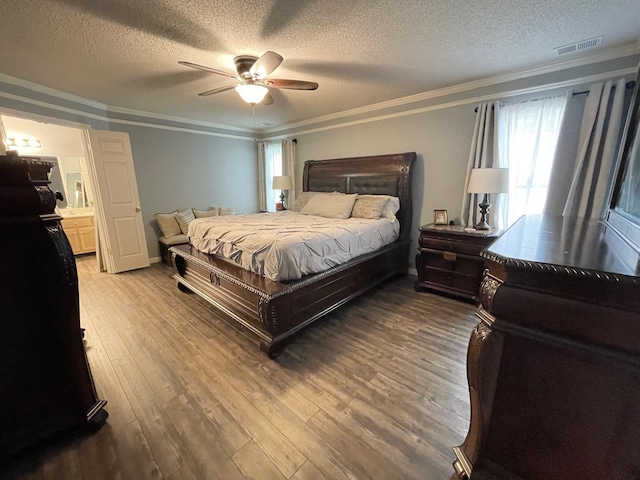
266	64
291	84
268	100
207	69
216	90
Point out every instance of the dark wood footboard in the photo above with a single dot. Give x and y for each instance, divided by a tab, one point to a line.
271	312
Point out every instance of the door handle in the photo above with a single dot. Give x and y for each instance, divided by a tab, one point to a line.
138	209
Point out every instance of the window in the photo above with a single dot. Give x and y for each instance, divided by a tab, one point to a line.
272	167
527	138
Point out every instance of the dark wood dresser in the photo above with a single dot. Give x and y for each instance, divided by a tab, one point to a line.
449	261
554	364
45	381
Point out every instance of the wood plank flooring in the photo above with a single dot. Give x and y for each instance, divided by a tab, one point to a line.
375	390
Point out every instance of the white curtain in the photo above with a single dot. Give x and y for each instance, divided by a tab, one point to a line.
289	167
583	171
527	138
483	154
262	177
269	165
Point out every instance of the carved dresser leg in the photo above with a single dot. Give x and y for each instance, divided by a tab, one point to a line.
483	365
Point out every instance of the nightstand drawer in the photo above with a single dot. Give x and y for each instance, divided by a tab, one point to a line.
454	262
451	279
452	245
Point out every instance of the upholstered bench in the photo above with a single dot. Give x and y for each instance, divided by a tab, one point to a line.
175	225
165	243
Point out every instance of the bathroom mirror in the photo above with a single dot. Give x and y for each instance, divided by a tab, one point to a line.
76	195
73	188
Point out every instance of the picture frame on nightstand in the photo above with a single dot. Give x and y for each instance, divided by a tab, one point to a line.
440	217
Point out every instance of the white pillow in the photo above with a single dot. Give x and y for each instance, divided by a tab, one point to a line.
330	206
168	224
390	208
184	218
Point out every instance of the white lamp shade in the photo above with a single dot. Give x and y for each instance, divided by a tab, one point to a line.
252	93
489	180
282	182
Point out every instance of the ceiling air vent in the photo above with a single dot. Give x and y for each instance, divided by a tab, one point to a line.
582	45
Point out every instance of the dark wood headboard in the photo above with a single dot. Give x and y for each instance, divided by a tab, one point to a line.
374	175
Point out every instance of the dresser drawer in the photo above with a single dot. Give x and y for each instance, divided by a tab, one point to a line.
454	262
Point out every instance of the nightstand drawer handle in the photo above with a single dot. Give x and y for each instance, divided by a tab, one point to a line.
450	256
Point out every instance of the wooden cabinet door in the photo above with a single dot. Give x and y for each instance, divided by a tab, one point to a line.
87	237
74	239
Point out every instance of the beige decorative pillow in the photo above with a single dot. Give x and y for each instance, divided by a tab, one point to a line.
330	206
217	209
369	207
227	211
206	213
168	224
184	218
390	208
301	200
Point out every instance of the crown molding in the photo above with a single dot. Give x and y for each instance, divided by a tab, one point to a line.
82	113
170	118
604	56
18	82
471	100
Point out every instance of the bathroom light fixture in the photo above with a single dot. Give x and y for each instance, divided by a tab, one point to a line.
23	142
252	93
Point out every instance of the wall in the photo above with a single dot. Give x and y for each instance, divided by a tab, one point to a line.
176	164
439	130
176	170
182	164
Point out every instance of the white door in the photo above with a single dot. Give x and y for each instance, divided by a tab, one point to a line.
119	203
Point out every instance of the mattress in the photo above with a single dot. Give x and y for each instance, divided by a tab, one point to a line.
288	245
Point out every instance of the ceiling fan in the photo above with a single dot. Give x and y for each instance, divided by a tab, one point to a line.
252	75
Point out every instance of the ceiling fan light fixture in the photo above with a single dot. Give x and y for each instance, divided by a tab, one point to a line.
252	93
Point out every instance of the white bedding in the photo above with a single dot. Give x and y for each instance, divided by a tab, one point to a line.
288	245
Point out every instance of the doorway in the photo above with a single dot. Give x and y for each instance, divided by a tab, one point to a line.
99	185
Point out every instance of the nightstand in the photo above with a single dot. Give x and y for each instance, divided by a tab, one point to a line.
448	259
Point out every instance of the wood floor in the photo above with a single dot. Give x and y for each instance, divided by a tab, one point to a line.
376	390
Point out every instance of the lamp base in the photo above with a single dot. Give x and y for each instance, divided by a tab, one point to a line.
283	207
484	211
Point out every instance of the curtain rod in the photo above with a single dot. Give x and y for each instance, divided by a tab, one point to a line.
630	84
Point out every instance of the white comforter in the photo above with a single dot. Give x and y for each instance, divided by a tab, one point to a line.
288	245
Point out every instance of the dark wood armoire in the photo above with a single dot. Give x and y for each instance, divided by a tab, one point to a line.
45	381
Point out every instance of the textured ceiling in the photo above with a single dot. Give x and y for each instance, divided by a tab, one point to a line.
124	53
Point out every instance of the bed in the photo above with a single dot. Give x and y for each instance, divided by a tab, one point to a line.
271	312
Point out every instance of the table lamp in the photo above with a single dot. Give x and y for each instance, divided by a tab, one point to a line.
282	183
486	181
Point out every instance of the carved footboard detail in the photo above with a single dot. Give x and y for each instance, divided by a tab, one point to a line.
483	364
